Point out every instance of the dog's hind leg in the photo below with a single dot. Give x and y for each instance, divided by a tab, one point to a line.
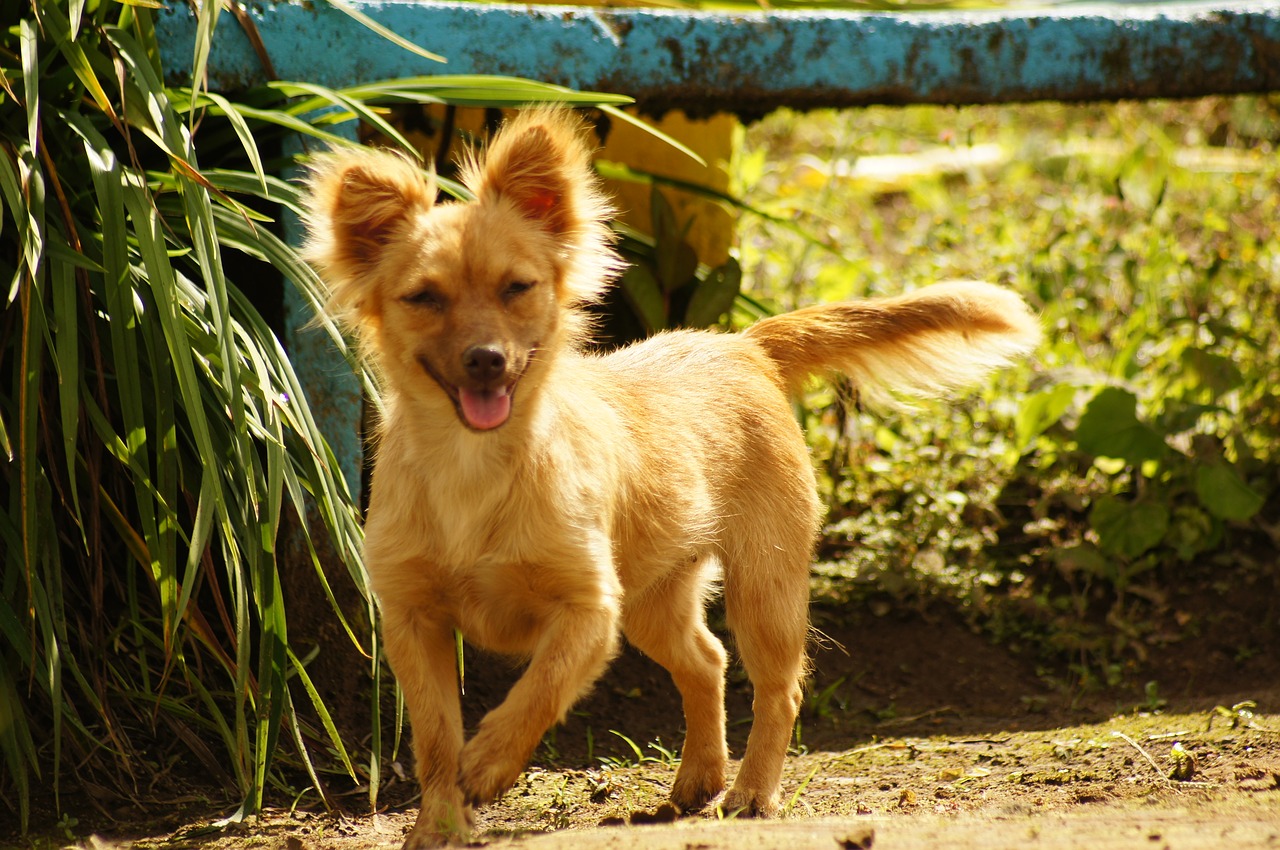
667	623
766	604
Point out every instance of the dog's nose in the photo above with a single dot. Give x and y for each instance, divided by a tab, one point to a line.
484	362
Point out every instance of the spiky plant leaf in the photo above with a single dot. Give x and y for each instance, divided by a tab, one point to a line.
156	436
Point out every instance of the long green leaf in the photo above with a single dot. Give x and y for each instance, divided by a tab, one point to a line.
458	90
28	379
78	60
245	135
355	107
16	743
290	122
207	15
76	10
23	191
390	35
269	188
112	187
300	744
322	711
31	81
47	603
623	115
66	332
260	243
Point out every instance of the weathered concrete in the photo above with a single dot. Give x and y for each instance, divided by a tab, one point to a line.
751	62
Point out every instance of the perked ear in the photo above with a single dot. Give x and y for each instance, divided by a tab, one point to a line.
358	200
540	163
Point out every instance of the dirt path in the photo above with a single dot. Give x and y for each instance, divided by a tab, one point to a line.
921	736
1162	827
1103	785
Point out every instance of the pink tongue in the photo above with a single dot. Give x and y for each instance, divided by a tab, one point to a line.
485	409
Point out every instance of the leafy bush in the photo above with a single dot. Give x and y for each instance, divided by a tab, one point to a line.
664	286
1060	504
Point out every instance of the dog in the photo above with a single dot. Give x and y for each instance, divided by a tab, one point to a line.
544	500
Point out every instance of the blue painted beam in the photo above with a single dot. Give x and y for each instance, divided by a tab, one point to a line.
751	62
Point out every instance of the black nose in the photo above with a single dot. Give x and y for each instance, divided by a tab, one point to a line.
484	362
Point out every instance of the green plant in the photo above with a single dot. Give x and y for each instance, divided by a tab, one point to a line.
1182	763
1177	484
1238	715
1070	506
1153	702
666	287
156	428
67	824
156	437
664	755
826	702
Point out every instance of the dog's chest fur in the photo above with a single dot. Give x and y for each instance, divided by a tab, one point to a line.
495	540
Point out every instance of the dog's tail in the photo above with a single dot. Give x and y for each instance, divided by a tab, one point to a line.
924	343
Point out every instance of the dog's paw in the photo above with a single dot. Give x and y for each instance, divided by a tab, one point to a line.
421	839
749	803
693	790
487	769
440	823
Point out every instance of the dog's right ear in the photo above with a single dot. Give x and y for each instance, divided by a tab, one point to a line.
357	201
540	164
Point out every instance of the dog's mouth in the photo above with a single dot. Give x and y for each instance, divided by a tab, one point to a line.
484	410
479	408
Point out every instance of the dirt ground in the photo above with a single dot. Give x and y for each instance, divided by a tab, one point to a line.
917	733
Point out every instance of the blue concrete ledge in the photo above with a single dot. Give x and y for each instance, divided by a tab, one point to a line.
753	62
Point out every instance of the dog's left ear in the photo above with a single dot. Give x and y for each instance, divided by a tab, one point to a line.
540	163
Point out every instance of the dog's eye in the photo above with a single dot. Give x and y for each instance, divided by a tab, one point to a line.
516	287
425	298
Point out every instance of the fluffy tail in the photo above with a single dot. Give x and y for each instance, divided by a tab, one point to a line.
924	343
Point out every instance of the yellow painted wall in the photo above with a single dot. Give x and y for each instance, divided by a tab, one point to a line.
713	140
712	232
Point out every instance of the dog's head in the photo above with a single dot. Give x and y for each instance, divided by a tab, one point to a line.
464	304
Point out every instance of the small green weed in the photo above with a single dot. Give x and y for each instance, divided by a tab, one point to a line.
665	286
1238	715
827	701
664	756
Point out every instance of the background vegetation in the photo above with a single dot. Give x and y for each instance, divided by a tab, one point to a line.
1066	507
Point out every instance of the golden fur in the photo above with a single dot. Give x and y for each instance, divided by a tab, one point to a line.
543	499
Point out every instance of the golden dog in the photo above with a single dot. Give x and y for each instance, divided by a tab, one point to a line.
543	499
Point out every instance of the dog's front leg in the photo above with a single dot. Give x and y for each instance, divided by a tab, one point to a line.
422	652
576	643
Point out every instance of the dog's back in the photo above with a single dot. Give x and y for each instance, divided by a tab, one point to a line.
717	462
718	452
